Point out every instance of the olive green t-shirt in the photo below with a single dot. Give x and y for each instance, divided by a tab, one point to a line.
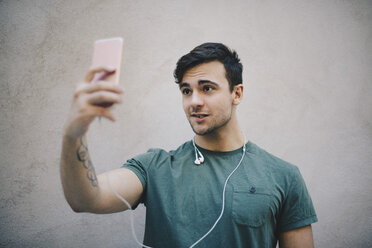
264	197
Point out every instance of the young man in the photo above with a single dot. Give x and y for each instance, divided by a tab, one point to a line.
217	190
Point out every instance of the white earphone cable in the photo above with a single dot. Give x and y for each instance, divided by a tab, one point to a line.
215	223
129	208
223	202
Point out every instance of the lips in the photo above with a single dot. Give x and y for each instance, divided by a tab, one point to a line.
199	116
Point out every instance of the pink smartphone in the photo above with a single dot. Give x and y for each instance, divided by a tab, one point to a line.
107	53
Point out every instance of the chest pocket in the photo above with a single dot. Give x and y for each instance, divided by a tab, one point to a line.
251	206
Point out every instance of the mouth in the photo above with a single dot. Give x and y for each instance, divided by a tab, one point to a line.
199	116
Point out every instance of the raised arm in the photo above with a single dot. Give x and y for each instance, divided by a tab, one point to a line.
83	189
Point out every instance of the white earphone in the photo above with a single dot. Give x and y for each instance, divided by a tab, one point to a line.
199	158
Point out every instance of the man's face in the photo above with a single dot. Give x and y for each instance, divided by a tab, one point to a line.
206	97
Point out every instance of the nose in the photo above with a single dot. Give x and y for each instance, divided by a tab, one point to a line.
196	99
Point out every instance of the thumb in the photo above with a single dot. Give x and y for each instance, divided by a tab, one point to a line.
101	72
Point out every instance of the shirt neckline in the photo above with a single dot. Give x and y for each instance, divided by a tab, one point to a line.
248	146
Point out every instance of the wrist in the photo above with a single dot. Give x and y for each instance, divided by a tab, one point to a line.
71	137
73	131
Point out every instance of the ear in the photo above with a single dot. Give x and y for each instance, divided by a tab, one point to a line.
237	94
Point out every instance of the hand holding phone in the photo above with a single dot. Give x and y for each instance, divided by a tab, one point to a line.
107	54
106	63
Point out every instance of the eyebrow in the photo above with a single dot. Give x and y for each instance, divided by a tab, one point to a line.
200	82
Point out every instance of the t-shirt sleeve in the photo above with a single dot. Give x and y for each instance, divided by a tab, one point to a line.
138	168
139	165
297	210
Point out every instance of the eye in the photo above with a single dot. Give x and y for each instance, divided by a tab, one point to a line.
207	88
186	91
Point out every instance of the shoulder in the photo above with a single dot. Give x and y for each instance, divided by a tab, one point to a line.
273	163
158	156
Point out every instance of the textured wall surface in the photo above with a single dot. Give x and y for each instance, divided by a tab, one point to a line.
308	98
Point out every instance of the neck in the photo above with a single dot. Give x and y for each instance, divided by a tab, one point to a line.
227	138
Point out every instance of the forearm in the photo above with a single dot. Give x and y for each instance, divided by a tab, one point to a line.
79	180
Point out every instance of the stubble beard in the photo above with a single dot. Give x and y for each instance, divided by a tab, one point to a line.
214	127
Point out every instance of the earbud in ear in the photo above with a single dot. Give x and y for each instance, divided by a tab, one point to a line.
236	101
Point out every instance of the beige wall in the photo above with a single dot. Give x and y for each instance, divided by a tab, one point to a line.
307	77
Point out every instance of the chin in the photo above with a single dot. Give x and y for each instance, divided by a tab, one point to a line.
201	132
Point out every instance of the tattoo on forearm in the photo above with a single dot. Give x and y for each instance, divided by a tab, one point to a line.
83	156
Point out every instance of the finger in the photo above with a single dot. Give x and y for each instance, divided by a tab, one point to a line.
85	88
107	114
103	75
103	98
101	112
92	72
104	86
